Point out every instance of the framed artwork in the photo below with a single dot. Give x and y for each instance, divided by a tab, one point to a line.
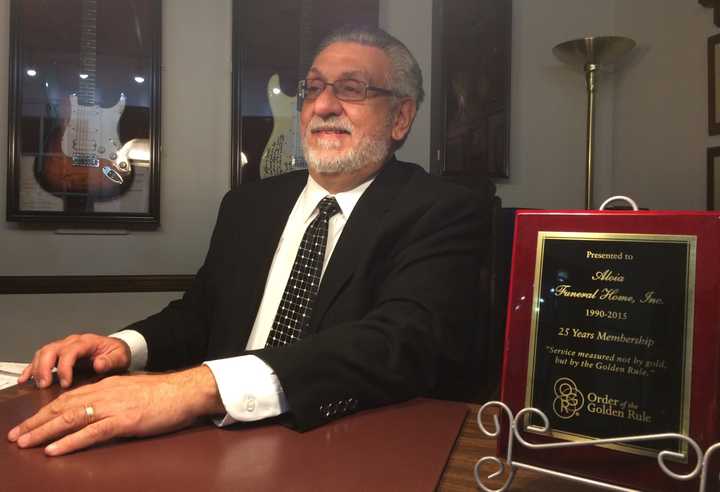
713	178
84	112
272	50
715	5
471	89
714	84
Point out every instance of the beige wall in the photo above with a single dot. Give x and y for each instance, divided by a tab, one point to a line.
28	321
661	132
547	136
652	115
413	27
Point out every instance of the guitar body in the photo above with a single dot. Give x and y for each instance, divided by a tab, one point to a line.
282	152
81	158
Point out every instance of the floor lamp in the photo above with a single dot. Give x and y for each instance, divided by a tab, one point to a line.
591	54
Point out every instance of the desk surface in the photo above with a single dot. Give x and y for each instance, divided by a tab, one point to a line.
400	447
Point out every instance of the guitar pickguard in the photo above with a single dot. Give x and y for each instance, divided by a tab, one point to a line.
81	158
92	130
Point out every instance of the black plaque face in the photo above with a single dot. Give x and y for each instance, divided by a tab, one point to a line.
611	340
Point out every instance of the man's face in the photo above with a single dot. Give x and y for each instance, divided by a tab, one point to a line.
345	136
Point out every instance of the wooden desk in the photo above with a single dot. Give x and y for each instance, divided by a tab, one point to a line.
400	447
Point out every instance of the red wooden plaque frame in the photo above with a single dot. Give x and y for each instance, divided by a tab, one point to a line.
603	464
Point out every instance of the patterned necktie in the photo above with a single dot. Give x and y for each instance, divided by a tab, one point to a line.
296	306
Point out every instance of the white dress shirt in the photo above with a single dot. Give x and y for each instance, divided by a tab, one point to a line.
248	387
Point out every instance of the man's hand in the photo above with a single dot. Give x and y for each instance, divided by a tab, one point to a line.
120	406
105	353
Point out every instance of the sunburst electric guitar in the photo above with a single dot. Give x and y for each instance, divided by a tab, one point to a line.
81	156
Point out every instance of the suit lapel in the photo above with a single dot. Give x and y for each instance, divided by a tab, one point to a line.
357	235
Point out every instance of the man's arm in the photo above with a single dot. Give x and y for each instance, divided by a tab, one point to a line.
254	396
126	406
129	405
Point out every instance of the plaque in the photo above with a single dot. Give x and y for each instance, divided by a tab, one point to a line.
613	331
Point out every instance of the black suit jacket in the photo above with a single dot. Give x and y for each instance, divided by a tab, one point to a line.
397	307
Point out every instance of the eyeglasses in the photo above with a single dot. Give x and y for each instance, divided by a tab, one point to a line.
343	89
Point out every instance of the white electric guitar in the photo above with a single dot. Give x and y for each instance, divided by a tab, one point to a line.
283	151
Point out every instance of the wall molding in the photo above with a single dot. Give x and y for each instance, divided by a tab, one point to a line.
83	284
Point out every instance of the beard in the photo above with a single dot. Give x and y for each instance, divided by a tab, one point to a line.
372	149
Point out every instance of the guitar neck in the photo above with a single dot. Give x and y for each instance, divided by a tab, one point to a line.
306	41
88	53
306	59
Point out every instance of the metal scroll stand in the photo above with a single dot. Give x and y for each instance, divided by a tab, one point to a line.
616	198
517	426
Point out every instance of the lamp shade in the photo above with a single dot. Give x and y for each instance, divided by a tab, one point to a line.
600	50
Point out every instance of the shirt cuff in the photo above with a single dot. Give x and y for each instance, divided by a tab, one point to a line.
249	389
138	348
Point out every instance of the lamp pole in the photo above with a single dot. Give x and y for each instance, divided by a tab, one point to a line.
590	70
592	53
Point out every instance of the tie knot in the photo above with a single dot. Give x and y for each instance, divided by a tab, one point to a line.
328	206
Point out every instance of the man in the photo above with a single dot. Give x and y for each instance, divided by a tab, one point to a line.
392	318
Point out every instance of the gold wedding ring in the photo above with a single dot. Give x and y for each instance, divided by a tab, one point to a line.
90	412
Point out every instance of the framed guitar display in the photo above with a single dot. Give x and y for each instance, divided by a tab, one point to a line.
272	51
84	112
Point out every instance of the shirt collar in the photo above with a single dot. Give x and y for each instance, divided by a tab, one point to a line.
313	193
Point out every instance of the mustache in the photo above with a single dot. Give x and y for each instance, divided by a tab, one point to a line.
332	124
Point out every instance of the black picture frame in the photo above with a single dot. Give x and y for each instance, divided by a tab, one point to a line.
84	112
713	57
470	127
715	5
257	55
713	178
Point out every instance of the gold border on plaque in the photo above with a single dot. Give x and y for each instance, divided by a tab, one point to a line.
691	243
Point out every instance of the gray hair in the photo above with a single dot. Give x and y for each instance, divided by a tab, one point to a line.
405	77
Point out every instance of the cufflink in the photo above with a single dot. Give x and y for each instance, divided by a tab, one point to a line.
249	403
